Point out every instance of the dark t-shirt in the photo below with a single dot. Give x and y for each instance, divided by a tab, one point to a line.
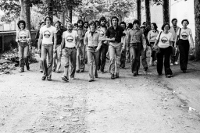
59	36
116	33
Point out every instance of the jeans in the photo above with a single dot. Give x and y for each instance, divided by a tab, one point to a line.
93	58
144	59
135	52
23	54
123	58
81	57
175	54
47	50
114	53
184	47
70	56
102	57
57	58
164	54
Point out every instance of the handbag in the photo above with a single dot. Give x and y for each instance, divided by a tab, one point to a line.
156	48
178	38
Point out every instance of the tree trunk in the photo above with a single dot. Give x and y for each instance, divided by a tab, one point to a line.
50	9
139	11
148	12
25	13
62	18
70	13
166	18
197	28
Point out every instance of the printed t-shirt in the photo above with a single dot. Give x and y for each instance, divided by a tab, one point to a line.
185	33
23	36
164	39
47	34
70	38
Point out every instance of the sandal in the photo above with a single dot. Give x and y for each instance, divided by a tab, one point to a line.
65	78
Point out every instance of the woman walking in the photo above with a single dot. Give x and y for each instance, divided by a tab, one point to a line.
163	45
23	38
153	33
184	34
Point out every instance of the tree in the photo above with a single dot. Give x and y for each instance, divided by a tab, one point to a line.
139	10
166	17
197	28
148	12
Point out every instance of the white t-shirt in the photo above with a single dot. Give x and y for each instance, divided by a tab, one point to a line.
152	35
70	38
185	33
47	34
23	36
164	39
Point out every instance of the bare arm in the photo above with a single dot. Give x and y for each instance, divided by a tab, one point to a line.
40	41
29	37
55	41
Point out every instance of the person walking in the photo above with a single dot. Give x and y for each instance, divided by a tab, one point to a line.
48	40
69	44
80	47
23	38
114	35
104	44
91	40
124	45
135	42
174	30
163	45
36	43
185	42
152	34
129	27
57	54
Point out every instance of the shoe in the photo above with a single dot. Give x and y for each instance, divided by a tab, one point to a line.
168	76
91	80
171	64
49	78
117	75
78	71
21	69
81	70
43	77
176	63
64	78
96	76
135	74
54	70
112	76
102	71
159	74
184	71
41	71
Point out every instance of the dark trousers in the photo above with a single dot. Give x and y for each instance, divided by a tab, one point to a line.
102	57
175	54
164	54
135	52
184	51
153	52
123	58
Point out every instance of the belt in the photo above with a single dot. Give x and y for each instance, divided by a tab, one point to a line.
47	45
70	48
92	46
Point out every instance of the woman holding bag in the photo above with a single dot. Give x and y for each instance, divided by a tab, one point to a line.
163	45
184	34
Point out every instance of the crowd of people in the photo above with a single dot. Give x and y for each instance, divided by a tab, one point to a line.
95	41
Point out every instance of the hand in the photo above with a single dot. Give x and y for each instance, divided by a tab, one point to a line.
39	51
97	49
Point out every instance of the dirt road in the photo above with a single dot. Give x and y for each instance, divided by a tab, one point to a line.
143	104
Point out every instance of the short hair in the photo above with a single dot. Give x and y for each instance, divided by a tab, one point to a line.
49	19
102	19
23	22
114	17
80	21
136	22
123	23
86	22
130	25
92	23
58	22
184	20
174	20
163	26
155	26
75	24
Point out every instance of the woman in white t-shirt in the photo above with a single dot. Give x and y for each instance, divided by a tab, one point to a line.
23	38
184	44
164	43
153	33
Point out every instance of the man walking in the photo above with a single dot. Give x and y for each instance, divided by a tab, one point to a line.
135	41
47	36
69	43
114	35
